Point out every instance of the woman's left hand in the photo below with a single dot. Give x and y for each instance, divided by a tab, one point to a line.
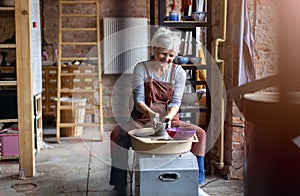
168	121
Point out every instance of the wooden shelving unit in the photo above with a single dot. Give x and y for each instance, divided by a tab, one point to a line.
10	9
8	120
7	46
157	13
38	120
23	13
8	83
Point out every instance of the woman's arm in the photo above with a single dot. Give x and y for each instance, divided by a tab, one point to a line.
139	76
174	104
171	113
144	109
138	83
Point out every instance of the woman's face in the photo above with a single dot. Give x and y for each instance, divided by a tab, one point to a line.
164	56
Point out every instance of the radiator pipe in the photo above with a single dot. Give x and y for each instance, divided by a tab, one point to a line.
220	62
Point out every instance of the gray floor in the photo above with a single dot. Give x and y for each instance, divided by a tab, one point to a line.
80	166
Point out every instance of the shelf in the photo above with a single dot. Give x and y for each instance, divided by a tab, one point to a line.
192	108
7	11
192	66
185	24
49	113
8	83
4	46
8	157
78	74
7	8
158	14
8	120
193	82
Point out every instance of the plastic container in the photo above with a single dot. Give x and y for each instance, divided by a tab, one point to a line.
179	133
9	144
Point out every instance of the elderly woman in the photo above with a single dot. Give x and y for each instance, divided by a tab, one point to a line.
158	86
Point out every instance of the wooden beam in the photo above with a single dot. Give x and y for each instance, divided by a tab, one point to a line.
24	87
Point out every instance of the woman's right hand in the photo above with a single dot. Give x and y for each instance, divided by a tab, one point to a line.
154	117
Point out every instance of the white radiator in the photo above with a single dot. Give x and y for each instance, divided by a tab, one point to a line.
125	44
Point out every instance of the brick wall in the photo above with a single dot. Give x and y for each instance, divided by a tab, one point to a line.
263	25
107	8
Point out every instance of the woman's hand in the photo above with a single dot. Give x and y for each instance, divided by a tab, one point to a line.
168	121
154	117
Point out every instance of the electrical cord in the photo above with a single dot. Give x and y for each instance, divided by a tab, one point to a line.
213	180
226	177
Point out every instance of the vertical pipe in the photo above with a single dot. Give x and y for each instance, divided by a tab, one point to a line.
100	90
220	164
59	74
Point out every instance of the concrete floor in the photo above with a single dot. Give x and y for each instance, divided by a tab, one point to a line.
80	166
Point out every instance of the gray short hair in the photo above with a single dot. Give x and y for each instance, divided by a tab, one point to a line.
167	39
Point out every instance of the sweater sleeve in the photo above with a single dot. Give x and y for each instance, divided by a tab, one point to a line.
138	88
180	79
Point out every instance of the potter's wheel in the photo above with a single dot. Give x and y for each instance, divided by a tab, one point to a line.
144	132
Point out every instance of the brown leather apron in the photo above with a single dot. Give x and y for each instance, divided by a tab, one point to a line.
157	96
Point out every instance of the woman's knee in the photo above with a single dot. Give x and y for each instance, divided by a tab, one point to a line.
115	134
120	137
200	133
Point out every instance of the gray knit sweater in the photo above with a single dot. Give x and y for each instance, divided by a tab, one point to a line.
140	76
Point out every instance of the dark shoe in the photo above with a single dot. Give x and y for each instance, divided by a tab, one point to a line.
119	191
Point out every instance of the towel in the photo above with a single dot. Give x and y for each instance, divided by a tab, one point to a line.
246	58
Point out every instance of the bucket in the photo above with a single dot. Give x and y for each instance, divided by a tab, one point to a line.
272	157
76	115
